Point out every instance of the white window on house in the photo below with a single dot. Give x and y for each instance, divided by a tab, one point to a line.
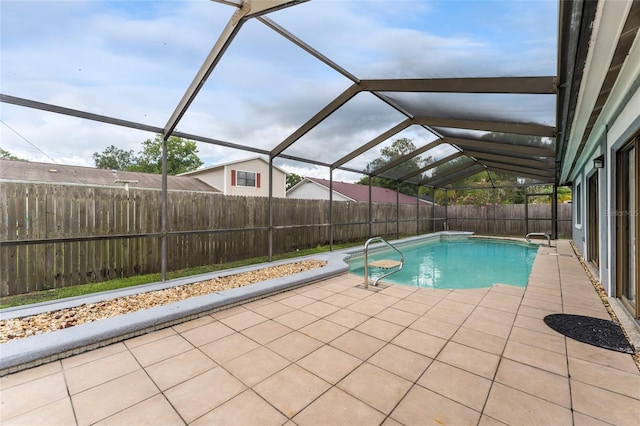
241	178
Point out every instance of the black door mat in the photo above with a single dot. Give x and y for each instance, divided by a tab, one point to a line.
593	331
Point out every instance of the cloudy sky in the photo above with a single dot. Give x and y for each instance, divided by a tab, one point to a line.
134	59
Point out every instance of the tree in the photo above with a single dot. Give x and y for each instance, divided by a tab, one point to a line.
6	155
292	180
399	148
114	158
181	157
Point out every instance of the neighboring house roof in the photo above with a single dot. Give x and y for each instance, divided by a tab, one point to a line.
360	193
28	171
229	163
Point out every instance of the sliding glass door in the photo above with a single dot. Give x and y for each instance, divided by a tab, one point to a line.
627	224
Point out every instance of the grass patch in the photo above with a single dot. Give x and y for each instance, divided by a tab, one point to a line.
84	289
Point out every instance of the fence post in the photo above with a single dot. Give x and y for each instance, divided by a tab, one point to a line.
330	209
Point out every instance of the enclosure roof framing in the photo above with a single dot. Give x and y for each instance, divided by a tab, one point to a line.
418	101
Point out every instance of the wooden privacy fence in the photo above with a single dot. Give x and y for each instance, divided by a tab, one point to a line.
54	236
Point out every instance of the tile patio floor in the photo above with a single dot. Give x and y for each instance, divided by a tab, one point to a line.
331	353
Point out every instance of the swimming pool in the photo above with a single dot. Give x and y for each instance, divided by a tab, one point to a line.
454	263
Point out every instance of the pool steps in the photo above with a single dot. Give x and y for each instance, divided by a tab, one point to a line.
391	265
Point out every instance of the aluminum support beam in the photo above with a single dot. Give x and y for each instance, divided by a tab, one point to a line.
516	161
447	173
390	165
499	146
375	141
516	85
249	9
489	126
28	103
455	177
517	169
316	119
432	165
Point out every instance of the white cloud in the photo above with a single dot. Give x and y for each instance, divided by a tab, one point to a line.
133	60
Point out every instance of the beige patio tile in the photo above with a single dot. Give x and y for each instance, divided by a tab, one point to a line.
150	412
356	292
34	373
422	343
580	419
385	300
229	347
500	304
421	406
514	407
508	289
336	407
446	315
330	364
273	310
207	333
407	305
347	318
490	421
266	332
534	381
212	388
340	300
493	315
434	327
470	296
622	382
188	325
292	389
376	387
455	306
179	368
604	405
112	397
96	354
235	412
472	360
539	339
32	395
101	370
535	312
401	362
57	413
255	366
380	329
158	350
479	340
600	356
257	303
486	324
320	309
317	293
294	345
458	385
297	301
296	319
243	320
397	316
536	357
146	338
541	302
390	422
535	324
229	312
323	330
428	298
358	344
365	307
399	291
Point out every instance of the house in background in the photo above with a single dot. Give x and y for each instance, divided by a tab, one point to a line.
47	173
318	189
248	177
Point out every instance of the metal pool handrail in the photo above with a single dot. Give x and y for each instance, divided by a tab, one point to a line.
366	261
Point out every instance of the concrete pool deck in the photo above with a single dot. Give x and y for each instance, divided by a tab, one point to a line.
333	353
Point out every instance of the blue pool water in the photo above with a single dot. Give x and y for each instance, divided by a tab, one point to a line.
458	263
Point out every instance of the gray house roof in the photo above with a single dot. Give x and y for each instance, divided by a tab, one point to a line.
28	171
